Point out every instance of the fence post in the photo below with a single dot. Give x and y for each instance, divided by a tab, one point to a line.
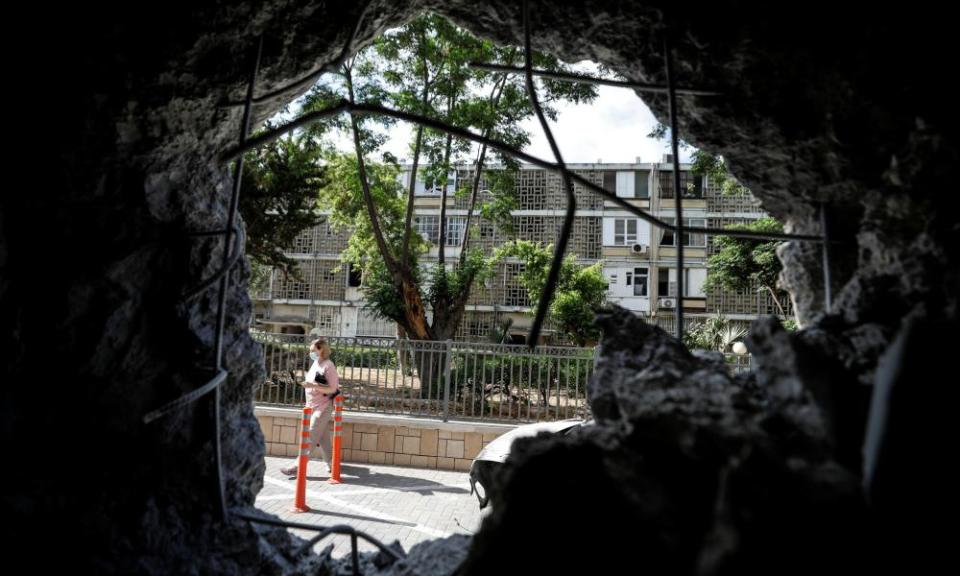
446	379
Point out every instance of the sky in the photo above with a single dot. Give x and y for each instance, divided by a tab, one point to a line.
612	129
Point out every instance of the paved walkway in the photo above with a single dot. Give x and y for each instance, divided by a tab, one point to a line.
387	502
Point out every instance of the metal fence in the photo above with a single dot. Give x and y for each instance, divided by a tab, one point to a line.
458	380
446	380
737	363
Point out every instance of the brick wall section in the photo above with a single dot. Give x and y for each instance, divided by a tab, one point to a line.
417	443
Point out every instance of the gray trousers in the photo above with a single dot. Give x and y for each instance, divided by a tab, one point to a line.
321	435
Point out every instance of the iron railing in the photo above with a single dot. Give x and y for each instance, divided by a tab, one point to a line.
444	379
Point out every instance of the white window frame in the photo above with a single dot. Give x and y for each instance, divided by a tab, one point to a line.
692	236
426	224
626	238
625	184
453	240
421	187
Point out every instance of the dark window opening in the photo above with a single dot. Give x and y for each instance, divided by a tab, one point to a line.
355	277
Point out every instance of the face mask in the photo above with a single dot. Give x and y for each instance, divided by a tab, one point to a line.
314	356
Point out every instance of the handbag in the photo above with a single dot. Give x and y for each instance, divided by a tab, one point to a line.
321	379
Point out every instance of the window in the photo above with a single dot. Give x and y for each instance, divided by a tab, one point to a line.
664	286
425	186
486	229
624	231
695	240
325	322
690	183
355	277
454	232
640	277
428	227
625	183
666	235
642	187
693	279
429	187
610	180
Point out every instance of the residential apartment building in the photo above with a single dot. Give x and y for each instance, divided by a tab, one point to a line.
639	261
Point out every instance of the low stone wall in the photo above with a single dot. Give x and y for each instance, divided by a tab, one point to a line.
383	439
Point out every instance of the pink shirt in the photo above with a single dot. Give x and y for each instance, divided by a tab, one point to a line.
316	398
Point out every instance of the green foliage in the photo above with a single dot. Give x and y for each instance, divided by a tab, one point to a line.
743	261
422	68
259	280
715	333
530	374
705	164
453	280
581	291
279	186
503	199
715	168
500	333
344	197
357	356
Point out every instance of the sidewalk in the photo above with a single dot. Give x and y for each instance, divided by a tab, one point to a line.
387	502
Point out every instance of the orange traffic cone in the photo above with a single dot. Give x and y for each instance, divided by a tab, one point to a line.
300	501
337	438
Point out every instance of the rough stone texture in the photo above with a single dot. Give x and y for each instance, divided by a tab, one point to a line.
688	469
125	127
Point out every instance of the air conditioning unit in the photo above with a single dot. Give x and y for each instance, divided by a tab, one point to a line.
639	249
667	303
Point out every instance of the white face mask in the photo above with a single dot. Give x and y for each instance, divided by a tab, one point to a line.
314	356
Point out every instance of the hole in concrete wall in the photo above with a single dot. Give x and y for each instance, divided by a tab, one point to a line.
814	118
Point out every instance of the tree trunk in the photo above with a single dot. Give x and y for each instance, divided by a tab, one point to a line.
442	247
430	369
411	188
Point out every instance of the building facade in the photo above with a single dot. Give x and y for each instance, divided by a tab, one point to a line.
638	259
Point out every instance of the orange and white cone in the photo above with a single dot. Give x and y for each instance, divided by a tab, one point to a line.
300	501
337	439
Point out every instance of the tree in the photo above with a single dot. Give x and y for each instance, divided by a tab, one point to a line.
280	184
743	261
715	333
580	293
706	164
715	168
422	68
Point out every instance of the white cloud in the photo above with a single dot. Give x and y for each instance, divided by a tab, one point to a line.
612	129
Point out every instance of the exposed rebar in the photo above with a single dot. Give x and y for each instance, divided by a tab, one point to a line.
560	249
583	78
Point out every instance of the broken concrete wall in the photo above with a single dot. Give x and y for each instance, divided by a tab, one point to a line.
128	112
